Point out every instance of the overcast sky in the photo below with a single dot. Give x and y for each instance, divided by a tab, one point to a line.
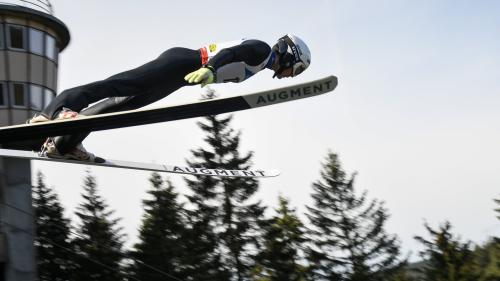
416	112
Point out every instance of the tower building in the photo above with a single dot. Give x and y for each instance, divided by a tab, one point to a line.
31	39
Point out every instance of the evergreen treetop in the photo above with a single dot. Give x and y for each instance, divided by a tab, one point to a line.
225	204
349	239
55	260
446	257
281	256
497	210
99	239
160	252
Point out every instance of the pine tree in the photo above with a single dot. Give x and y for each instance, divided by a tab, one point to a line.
224	202
496	241
447	258
283	240
487	259
204	261
54	257
350	242
488	255
161	234
99	241
497	210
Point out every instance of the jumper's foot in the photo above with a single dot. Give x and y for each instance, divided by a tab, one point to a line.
79	153
65	113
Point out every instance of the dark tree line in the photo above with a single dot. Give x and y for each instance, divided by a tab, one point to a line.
219	231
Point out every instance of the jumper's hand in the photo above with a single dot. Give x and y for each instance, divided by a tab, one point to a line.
204	76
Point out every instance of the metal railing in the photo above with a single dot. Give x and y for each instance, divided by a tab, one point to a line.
39	5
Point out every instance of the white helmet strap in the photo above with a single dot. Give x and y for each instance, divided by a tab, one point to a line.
292	46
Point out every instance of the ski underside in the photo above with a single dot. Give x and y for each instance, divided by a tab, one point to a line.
82	124
11	153
11	136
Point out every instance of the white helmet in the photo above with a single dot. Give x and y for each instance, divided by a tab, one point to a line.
292	51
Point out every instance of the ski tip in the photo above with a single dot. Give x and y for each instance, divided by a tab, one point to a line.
99	160
273	173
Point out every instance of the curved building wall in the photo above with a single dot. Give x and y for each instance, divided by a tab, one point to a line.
28	69
30	41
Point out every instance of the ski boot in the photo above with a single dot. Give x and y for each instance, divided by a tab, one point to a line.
79	153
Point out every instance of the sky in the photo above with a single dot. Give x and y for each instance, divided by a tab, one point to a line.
415	113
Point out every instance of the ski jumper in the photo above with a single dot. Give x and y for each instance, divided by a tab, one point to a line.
233	61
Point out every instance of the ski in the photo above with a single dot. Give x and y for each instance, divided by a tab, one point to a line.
146	166
130	118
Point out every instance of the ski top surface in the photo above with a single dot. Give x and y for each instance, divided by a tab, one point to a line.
146	166
129	118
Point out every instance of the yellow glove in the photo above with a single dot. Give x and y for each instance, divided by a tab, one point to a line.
204	76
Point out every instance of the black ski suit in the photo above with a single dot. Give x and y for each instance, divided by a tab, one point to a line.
144	85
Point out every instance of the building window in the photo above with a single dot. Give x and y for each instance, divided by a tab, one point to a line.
3	95
19	95
36	41
50	47
36	97
49	96
16	37
2	44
